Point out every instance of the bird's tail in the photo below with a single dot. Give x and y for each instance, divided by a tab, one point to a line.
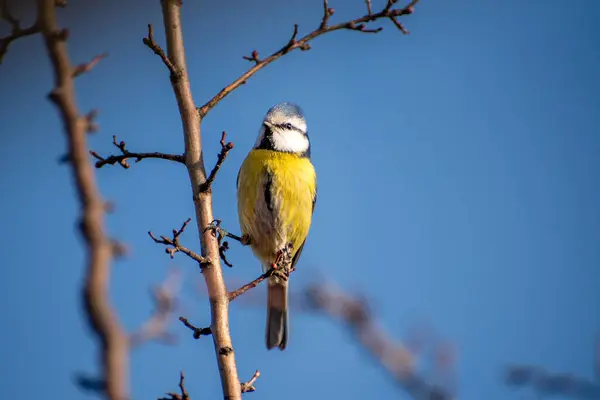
277	314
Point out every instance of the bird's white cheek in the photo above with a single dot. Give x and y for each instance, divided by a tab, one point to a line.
294	142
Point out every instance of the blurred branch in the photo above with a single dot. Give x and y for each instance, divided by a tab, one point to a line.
552	384
358	24
165	299
126	154
358	318
16	30
110	336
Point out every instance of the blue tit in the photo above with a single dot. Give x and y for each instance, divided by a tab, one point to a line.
276	193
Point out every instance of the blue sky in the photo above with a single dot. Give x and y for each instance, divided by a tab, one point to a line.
457	172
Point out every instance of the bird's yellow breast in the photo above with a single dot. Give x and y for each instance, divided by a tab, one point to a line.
276	191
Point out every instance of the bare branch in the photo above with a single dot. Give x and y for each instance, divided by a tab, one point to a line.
197	331
392	355
111	338
243	289
253	57
358	24
177	247
164	298
213	275
16	30
249	386
183	395
149	41
225	149
86	67
552	384
126	155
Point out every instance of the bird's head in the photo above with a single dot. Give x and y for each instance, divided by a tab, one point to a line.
284	129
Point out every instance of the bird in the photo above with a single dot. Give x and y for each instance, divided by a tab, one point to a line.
276	194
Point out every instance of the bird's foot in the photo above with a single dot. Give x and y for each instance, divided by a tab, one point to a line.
283	260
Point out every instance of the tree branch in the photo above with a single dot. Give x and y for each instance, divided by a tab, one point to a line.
197	331
251	285
358	24
16	30
225	149
249	386
393	356
165	300
99	248
123	159
177	247
213	274
176	396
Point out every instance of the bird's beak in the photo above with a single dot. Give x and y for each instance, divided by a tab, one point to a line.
268	124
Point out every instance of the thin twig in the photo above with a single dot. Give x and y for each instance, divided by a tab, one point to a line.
16	30
87	67
126	155
243	289
149	41
225	149
177	247
249	386
111	338
183	395
358	24
197	331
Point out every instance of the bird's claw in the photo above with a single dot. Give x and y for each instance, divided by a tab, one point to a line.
282	265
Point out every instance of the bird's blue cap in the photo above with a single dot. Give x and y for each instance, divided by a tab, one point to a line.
286	109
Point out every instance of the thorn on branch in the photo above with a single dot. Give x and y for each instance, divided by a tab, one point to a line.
87	67
183	395
253	57
197	331
126	154
225	149
249	386
152	45
175	246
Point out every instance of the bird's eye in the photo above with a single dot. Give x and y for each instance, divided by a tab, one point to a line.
287	125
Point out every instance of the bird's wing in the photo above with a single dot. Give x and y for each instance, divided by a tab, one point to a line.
297	255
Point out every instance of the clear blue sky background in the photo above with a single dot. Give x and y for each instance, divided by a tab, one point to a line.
458	182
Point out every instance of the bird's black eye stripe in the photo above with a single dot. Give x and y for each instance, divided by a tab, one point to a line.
289	126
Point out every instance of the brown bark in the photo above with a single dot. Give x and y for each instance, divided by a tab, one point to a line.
202	201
